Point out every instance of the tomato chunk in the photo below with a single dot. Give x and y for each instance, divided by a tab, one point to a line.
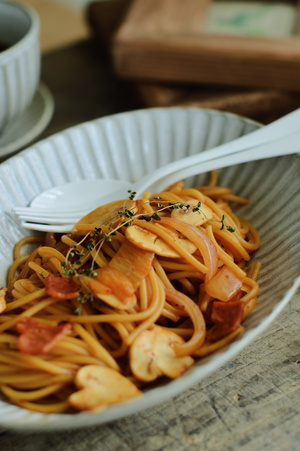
62	287
38	338
224	285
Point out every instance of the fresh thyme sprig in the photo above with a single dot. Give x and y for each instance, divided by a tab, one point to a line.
127	215
96	238
224	226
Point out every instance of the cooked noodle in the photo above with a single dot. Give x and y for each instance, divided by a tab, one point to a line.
173	296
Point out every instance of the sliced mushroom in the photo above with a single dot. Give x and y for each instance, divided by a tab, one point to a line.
189	216
106	214
3	292
152	355
144	239
99	387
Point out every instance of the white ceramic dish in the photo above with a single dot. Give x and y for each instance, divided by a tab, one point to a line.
29	125
127	146
20	61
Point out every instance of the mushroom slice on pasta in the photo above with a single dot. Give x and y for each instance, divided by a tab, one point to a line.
100	386
152	355
149	241
106	214
193	214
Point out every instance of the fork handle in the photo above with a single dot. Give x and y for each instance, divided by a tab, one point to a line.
284	146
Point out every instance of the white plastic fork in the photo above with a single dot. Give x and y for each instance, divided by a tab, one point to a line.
281	137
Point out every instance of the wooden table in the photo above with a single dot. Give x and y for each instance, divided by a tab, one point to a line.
252	403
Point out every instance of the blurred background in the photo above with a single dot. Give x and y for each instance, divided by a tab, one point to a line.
107	56
62	21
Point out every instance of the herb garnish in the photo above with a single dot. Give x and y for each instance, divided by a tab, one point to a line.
95	239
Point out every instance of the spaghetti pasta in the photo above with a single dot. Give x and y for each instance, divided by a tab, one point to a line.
138	290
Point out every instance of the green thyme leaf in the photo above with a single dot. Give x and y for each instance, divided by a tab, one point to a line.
146	218
223	227
131	194
155	216
77	311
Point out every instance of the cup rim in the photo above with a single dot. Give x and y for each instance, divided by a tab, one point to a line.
33	30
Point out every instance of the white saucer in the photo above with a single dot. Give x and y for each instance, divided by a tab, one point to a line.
30	124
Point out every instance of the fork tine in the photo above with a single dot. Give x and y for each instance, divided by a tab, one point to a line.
56	217
68	217
50	220
63	228
44	211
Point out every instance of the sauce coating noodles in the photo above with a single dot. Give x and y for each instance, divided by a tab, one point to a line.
139	290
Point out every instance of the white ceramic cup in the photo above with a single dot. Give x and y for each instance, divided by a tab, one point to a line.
19	59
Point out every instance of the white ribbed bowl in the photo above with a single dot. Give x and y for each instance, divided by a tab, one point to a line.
127	146
20	62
